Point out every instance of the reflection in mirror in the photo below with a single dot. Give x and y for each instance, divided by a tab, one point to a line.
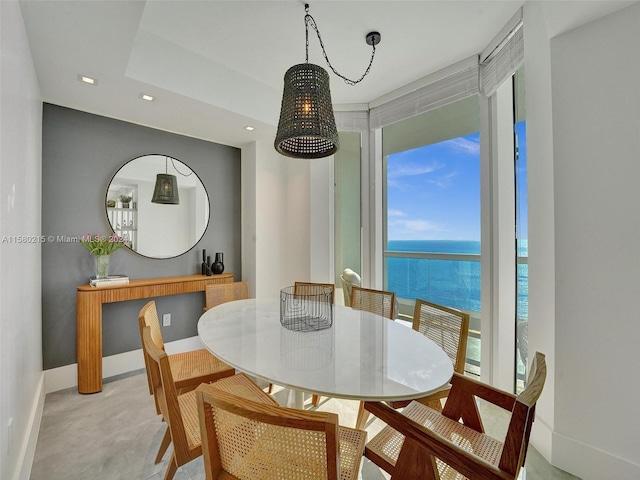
157	230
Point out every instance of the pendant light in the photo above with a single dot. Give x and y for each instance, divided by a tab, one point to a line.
166	189
307	126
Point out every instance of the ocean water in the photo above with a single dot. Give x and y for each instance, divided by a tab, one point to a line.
446	282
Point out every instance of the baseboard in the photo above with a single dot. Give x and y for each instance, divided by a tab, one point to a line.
542	438
64	377
590	463
28	448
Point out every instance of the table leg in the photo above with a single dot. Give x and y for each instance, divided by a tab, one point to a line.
298	399
89	343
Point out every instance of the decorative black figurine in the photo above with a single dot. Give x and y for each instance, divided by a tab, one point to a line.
204	266
218	266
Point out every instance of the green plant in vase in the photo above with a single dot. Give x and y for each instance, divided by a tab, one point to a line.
125	199
101	246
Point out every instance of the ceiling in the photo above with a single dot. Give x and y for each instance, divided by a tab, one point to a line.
216	66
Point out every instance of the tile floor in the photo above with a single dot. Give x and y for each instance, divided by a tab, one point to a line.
115	434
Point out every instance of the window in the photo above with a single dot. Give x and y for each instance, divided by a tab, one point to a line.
522	289
432	211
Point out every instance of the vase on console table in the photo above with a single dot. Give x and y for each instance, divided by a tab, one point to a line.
217	267
102	265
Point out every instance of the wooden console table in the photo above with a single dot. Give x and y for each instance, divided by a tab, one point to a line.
89	315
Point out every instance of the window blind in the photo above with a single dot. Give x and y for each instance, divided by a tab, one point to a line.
506	55
447	86
352	121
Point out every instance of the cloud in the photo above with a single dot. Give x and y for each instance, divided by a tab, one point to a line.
445	180
404	170
392	212
398	171
466	145
419	225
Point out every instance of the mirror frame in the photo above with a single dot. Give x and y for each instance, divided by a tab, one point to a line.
130	214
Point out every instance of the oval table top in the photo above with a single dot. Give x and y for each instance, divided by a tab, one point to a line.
362	356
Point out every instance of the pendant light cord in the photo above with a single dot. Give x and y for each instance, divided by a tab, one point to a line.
309	20
174	167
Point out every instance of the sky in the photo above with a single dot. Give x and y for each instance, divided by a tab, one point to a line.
433	192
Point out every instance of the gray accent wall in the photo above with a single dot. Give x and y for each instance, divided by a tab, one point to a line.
80	154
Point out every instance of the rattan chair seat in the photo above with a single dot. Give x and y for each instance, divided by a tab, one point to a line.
387	443
186	367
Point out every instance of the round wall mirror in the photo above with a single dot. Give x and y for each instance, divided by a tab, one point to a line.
159	205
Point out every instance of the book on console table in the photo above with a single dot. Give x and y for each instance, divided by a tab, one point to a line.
110	281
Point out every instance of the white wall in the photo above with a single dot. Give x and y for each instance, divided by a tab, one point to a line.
275	209
584	236
21	378
249	221
541	214
321	207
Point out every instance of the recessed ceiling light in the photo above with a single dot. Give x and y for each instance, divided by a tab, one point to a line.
148	98
89	80
249	128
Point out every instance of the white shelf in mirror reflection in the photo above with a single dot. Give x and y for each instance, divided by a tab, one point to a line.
362	356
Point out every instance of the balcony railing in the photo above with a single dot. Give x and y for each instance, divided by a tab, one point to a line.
449	279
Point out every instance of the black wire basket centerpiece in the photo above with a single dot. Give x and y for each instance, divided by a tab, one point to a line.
306	308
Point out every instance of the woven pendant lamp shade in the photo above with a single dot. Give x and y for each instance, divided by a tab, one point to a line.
307	127
166	190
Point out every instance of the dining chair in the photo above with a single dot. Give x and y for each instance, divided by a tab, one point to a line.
449	329
300	288
180	411
375	301
217	294
522	340
188	369
244	440
349	278
423	443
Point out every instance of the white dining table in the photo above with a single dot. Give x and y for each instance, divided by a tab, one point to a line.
362	356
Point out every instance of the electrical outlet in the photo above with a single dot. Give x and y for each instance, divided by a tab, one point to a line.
166	320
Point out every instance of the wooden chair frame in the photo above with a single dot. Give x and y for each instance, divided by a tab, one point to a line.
421	447
179	411
206	367
458	355
272	415
167	401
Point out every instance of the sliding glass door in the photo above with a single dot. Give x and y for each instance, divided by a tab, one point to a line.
431	205
347	243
